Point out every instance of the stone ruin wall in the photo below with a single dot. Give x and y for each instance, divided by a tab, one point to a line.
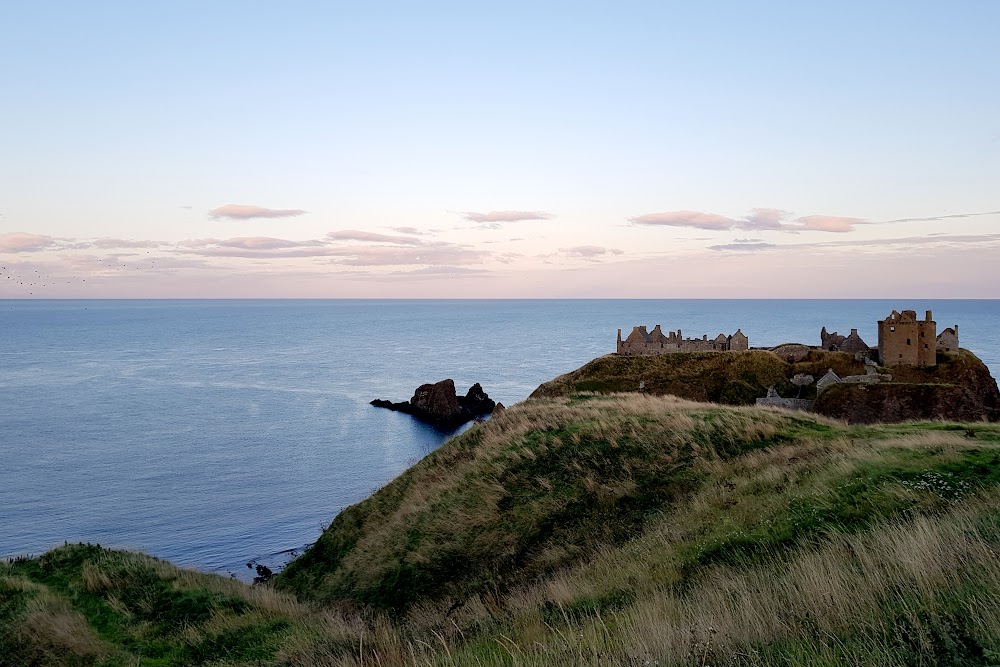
903	339
646	343
947	340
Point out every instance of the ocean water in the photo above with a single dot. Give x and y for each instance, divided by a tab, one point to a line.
212	433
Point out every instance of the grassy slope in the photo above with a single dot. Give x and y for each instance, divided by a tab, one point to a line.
735	378
587	530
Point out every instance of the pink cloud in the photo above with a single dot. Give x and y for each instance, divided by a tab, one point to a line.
764	218
248	212
695	219
25	242
829	223
506	216
371	237
443	254
759	219
590	251
407	230
124	243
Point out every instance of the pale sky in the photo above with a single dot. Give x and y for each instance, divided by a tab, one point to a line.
514	149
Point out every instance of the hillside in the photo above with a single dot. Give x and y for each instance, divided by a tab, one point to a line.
586	530
958	388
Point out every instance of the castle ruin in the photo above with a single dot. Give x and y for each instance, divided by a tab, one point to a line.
643	343
903	339
834	342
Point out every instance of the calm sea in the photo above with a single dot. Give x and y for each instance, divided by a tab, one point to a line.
210	433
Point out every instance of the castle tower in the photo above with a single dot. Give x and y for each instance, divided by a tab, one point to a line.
903	339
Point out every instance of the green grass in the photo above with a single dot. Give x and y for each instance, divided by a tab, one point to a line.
137	610
586	530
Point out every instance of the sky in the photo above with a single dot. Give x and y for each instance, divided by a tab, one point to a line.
500	150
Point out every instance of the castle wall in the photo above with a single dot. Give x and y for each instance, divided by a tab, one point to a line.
643	343
947	340
903	339
787	403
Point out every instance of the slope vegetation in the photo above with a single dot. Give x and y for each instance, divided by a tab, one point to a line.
586	530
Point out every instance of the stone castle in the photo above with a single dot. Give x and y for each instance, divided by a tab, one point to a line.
902	339
642	343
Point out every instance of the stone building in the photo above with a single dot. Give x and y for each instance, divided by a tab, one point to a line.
947	340
903	339
641	342
834	342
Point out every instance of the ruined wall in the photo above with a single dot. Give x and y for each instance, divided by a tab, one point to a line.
643	343
947	340
903	339
834	342
787	403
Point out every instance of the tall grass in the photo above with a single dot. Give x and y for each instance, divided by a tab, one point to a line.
586	530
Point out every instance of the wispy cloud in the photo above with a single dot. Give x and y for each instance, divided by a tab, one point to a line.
695	219
827	223
408	230
934	240
371	237
744	246
25	242
107	244
759	219
440	255
951	216
505	216
776	219
590	251
248	212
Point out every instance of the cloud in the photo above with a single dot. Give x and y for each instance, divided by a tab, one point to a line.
759	219
747	246
248	212
124	243
372	250
371	237
764	218
396	256
828	223
25	242
505	216
695	219
935	240
408	230
944	217
253	247
441	271
590	251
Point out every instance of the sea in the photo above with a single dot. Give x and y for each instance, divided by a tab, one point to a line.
221	433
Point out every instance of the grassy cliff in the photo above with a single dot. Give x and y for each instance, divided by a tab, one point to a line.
733	378
586	530
958	388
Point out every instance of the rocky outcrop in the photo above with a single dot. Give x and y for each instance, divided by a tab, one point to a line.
958	387
439	405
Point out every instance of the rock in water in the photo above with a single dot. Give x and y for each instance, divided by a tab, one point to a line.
440	405
438	400
476	402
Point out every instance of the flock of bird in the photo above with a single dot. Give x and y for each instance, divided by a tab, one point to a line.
17	282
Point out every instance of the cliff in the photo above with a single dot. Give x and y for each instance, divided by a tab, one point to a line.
586	530
958	388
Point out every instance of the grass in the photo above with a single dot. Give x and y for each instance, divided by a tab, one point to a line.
586	530
81	604
732	378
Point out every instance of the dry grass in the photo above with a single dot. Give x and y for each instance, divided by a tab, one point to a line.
55	634
766	538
